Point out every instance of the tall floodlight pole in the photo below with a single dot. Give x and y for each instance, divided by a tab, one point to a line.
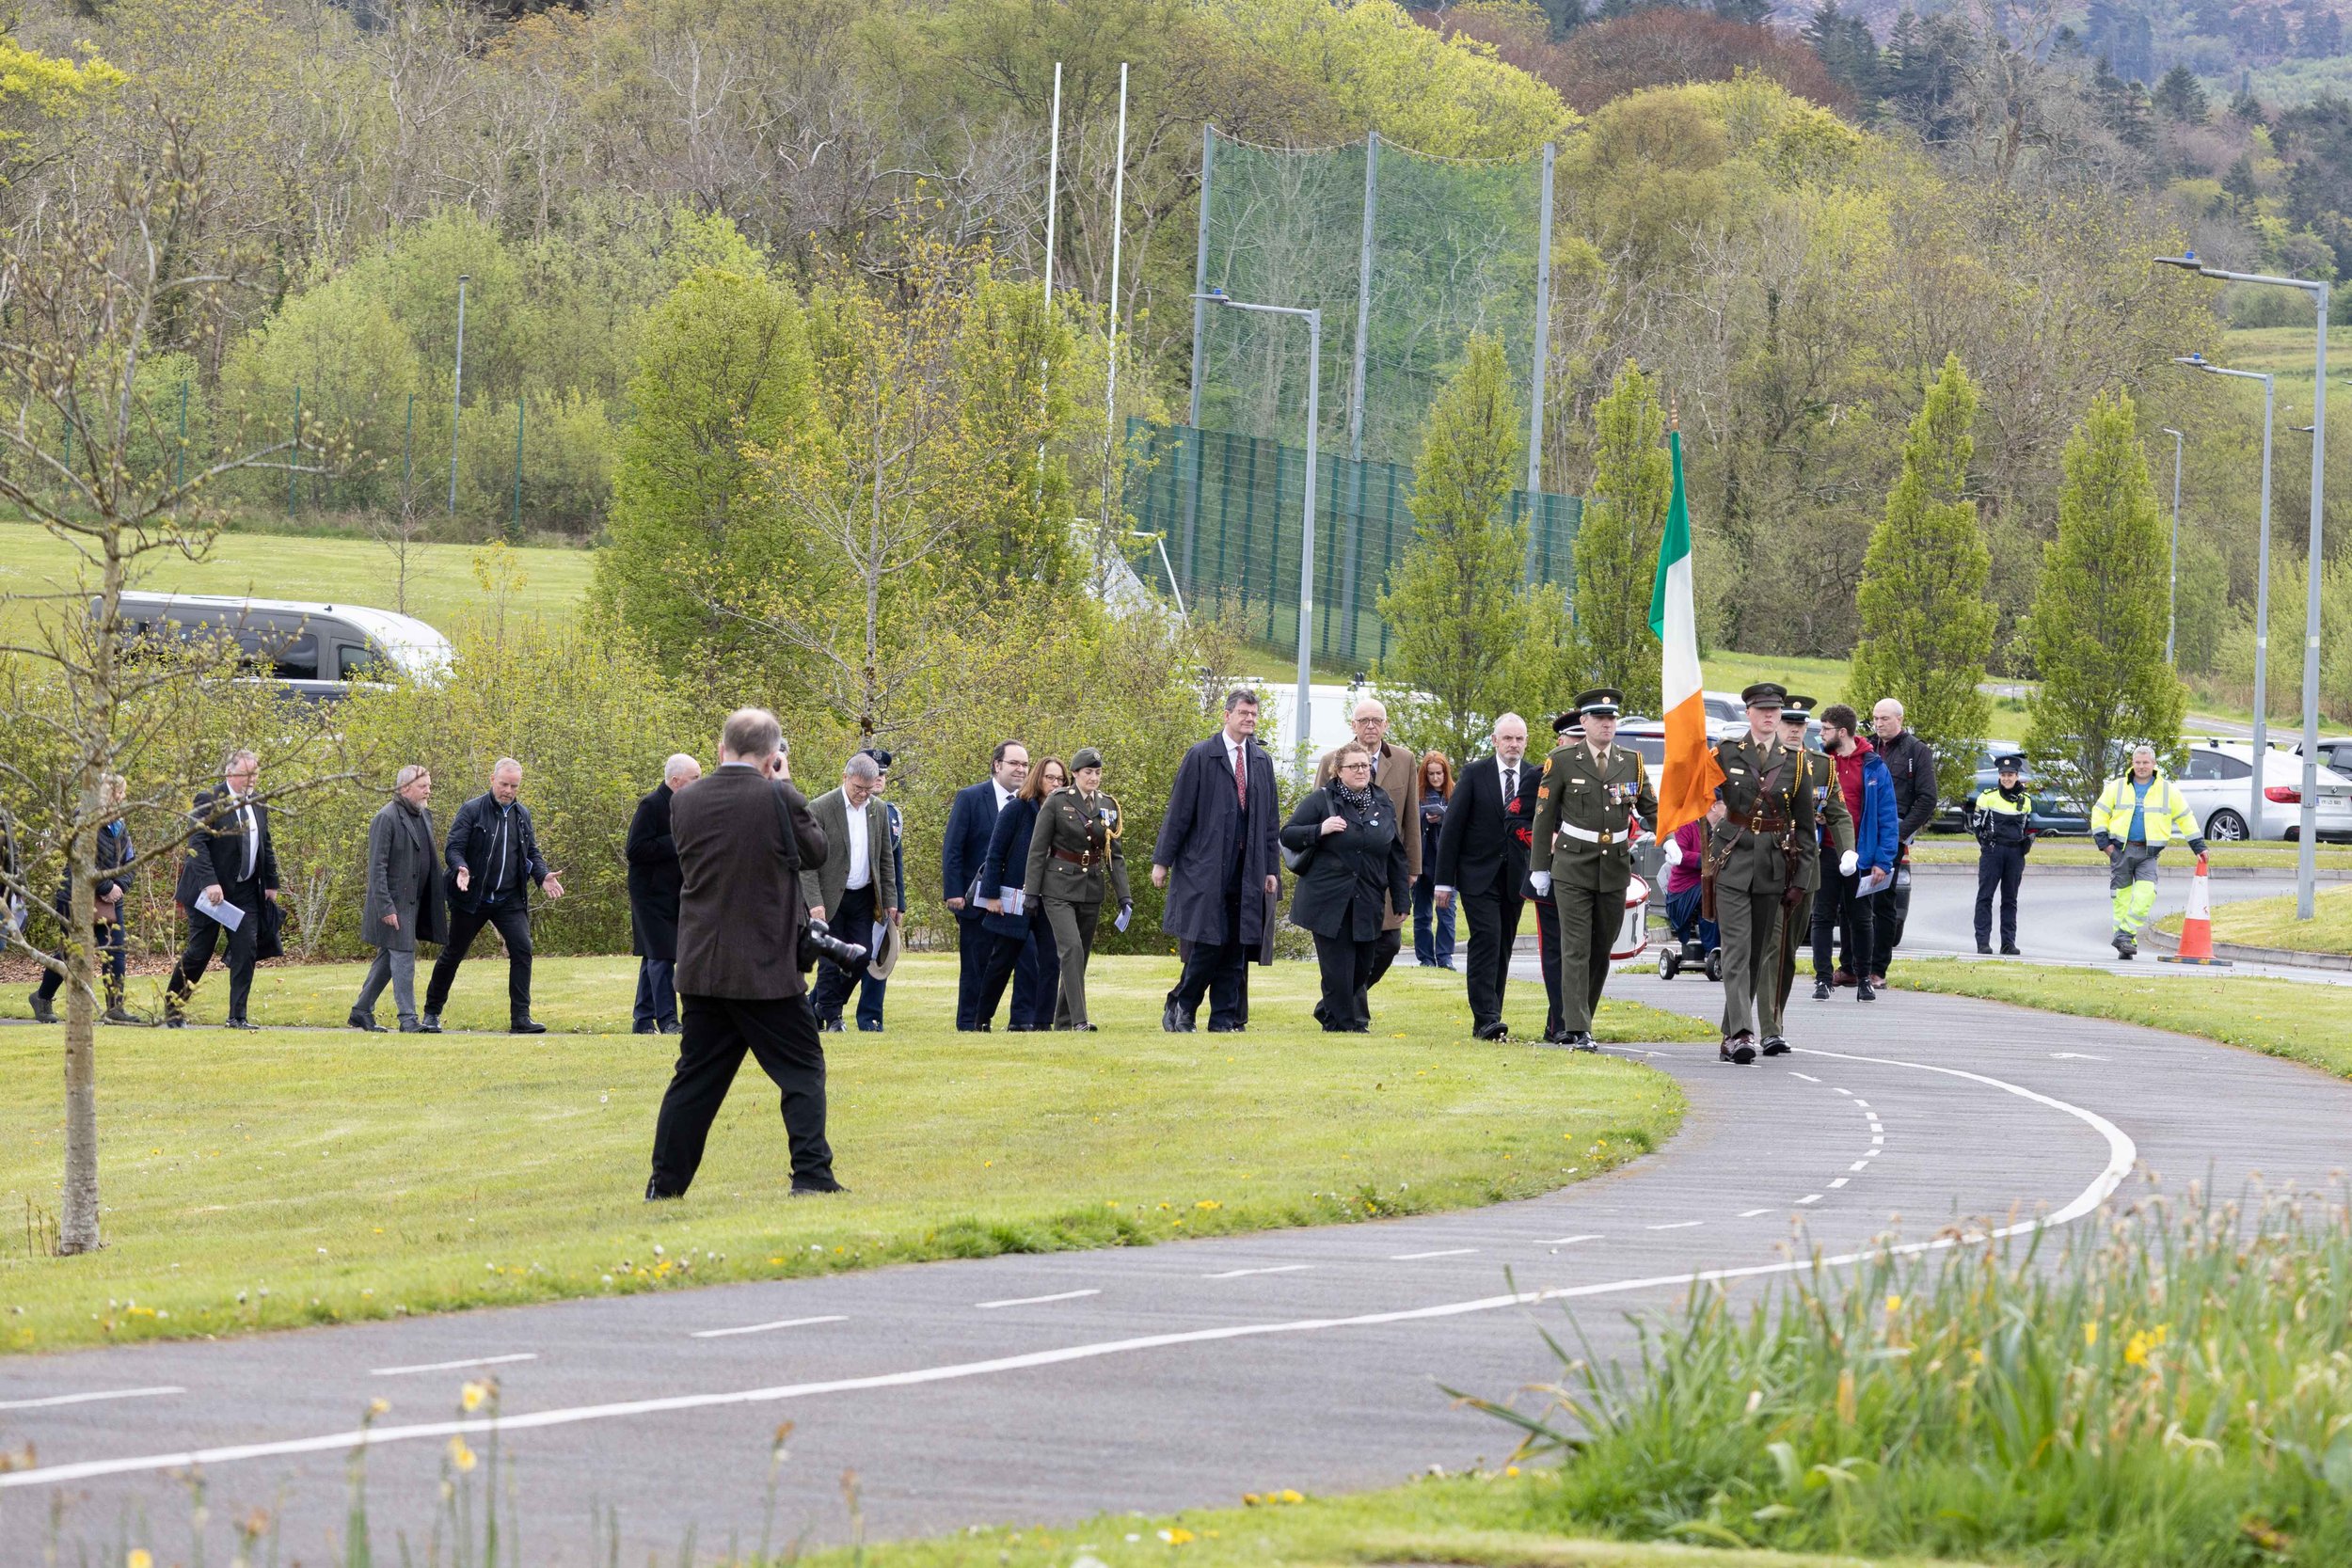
1542	351
457	391
1119	213
1313	319
2254	797
2172	582
2307	838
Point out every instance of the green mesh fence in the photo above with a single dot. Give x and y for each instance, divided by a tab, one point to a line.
1404	255
1229	509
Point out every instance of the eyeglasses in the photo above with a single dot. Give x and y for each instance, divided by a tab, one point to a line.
1355	768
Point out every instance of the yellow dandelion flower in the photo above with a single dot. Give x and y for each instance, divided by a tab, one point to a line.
1291	1497
460	1457
1511	1470
139	1558
471	1396
1177	1536
2090	1333
1893	1304
377	1407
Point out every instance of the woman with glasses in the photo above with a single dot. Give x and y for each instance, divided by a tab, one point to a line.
1433	928
1354	875
1025	940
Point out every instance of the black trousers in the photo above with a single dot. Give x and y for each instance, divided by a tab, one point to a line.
853	922
1548	938
511	915
1218	970
1346	965
714	1033
1999	868
1893	909
204	934
1836	908
109	957
975	950
1031	964
1494	926
1384	952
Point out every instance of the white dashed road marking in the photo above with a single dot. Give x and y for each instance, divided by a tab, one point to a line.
1278	1268
1751	1213
1806	1076
1811	1198
454	1366
762	1328
1570	1240
88	1399
1415	1257
1034	1301
1678	1225
1841	1181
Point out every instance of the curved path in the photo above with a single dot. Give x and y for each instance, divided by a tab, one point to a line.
1050	1387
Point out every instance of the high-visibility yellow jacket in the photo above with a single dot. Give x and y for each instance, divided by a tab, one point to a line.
2165	814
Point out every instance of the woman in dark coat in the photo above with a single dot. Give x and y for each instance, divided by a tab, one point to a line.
113	851
1357	874
403	905
1022	938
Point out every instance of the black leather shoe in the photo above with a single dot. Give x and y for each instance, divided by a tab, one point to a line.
829	1026
655	1194
671	1028
1225	1029
173	1020
245	1023
410	1026
1494	1032
644	1029
430	1024
526	1026
366	1023
1984	948
1741	1049
2008	950
1823	990
1578	1039
1173	1021
827	1189
1866	992
42	1011
1774	1045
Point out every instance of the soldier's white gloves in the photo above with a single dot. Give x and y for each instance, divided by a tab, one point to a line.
1847	862
1541	882
1673	852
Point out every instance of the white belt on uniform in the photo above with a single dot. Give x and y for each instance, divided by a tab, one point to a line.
1587	835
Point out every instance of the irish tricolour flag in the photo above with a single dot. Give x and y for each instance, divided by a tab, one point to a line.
1686	785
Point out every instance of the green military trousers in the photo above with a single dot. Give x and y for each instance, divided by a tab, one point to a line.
1589	922
1796	926
1750	924
1074	933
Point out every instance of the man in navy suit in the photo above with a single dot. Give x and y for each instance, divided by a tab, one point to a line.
970	822
1481	857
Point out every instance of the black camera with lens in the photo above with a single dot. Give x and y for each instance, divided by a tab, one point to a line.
818	941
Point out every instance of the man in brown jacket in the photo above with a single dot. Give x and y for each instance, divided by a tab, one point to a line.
1397	771
742	836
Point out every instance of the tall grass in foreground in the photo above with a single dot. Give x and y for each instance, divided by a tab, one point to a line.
2173	1387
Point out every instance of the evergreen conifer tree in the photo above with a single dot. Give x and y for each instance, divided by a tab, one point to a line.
2097	628
1926	626
1616	542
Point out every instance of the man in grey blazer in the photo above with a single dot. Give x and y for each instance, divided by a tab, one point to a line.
404	900
742	835
853	880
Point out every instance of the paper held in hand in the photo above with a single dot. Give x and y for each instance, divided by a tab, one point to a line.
220	910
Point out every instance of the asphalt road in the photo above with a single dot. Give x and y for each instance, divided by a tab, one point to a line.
1050	1387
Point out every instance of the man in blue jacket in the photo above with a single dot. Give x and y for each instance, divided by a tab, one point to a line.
493	858
1851	900
971	821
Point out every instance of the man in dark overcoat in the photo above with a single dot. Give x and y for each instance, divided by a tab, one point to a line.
1220	857
233	860
403	905
653	884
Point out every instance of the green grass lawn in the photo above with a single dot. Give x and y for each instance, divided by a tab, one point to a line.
2285	352
2306	1023
1498	1520
310	1175
2271	922
321	570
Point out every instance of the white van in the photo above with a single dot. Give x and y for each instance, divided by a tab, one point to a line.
314	651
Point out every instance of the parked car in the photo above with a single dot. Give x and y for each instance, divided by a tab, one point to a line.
2219	776
2053	811
315	652
2334	752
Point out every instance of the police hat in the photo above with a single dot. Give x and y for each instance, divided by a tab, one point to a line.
1765	694
1604	701
881	755
1796	710
1085	756
2009	762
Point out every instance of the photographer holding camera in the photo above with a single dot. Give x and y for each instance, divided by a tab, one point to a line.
744	945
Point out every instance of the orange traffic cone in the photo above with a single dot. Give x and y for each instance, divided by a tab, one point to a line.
2196	925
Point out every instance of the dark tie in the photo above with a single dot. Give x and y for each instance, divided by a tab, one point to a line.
1510	786
1241	781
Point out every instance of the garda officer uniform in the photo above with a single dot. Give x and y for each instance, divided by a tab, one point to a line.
1829	811
1751	857
2004	825
1583	839
1075	863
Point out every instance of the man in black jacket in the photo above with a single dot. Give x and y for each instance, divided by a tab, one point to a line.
232	867
493	858
1482	855
1909	759
653	884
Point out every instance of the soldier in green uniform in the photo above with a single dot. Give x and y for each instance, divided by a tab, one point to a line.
1581	847
1836	825
1762	813
1074	863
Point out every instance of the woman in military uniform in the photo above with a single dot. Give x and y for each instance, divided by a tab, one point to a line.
1074	863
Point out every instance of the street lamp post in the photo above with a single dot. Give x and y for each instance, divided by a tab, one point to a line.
2262	594
2307	846
1313	319
457	391
2172	583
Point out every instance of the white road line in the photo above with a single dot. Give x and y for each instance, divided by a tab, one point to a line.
1864	1106
1751	1213
1834	1089
1863	1164
1034	1301
1811	1198
2073	1056
454	1366
1841	1181
1877	1138
89	1398
762	1328
1571	1241
1806	1076
2121	1152
1678	1225
1278	1268
1415	1257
